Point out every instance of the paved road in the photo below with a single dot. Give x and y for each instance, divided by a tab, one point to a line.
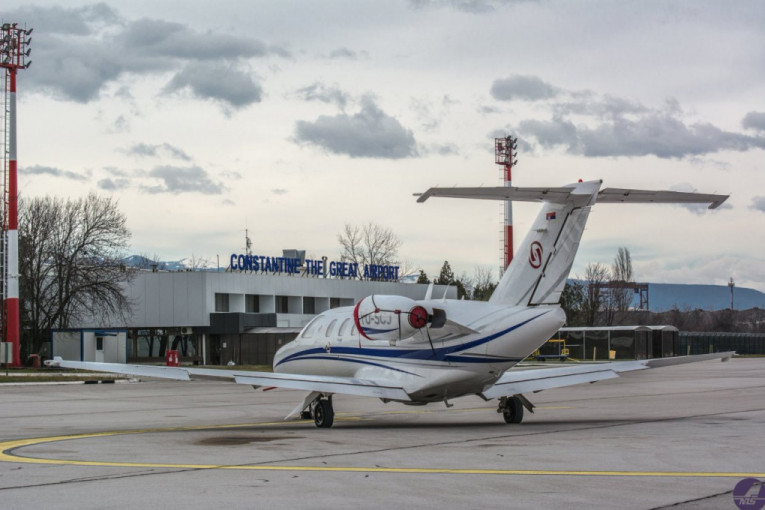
674	436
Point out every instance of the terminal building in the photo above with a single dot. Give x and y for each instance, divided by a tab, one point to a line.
243	315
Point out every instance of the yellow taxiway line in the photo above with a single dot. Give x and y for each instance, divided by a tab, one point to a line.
8	448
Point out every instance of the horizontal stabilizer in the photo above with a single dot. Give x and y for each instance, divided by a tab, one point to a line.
561	195
555	195
636	196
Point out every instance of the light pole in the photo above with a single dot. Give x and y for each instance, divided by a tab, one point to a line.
504	154
731	284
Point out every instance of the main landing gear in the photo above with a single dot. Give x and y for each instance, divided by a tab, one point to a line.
321	411
512	408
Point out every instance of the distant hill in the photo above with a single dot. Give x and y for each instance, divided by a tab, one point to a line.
142	262
666	296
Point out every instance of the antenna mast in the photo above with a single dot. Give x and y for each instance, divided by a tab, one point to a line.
14	51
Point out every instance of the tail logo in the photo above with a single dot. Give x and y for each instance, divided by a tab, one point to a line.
535	255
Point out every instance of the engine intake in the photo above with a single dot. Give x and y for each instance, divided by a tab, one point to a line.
389	317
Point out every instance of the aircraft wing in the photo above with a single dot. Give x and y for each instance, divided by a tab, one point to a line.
515	382
324	384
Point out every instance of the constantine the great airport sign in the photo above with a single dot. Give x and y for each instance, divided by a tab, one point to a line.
321	267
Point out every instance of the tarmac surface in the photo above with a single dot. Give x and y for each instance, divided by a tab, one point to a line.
679	437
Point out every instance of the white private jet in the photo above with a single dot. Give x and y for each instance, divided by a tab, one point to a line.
434	350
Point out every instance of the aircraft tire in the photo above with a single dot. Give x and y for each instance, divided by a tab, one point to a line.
513	410
323	414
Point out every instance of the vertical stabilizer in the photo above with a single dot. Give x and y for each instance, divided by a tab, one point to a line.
538	273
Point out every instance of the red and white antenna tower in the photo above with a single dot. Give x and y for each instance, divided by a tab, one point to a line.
504	154
14	53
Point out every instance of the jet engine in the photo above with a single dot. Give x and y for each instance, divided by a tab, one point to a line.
389	317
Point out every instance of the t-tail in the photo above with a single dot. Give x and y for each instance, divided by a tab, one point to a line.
538	273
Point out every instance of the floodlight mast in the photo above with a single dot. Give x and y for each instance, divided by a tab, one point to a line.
504	154
14	52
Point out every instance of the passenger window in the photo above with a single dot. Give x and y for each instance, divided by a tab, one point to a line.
344	327
330	328
309	329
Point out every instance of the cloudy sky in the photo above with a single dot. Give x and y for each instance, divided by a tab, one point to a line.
293	118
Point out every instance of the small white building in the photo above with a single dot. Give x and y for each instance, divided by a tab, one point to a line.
109	346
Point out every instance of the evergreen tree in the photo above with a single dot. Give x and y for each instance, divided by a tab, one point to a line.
446	277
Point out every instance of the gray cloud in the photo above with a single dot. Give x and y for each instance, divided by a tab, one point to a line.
371	133
320	92
158	150
228	85
279	191
754	120
77	51
655	134
151	37
589	103
529	88
471	6
343	53
54	172
615	126
60	20
758	203
108	184
179	180
447	149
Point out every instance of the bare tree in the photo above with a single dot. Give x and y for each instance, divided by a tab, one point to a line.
70	263
572	302
484	283
595	299
197	262
621	290
369	244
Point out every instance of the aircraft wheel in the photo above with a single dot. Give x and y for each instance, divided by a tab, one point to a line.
323	414
512	410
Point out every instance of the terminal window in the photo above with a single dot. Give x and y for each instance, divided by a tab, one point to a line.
282	304
251	303
221	302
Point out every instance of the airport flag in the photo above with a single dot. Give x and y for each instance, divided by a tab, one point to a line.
551	215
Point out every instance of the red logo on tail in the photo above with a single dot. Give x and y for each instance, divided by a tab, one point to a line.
535	255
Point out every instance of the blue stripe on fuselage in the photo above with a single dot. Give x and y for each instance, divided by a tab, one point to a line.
353	360
441	353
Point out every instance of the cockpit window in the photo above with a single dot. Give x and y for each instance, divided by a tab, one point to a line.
330	327
309	329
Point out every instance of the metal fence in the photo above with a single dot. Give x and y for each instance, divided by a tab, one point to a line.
701	343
